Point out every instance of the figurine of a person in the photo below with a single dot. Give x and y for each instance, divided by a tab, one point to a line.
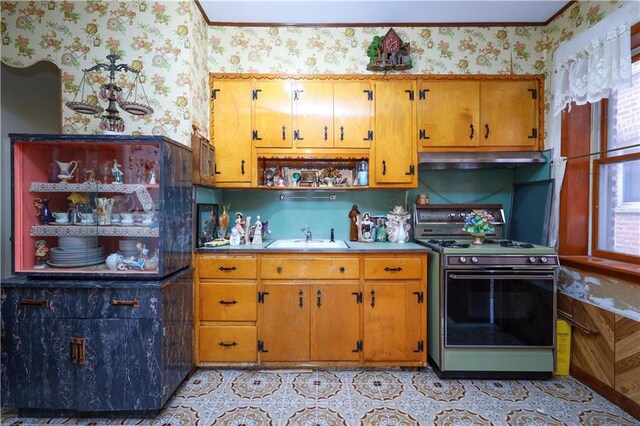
239	224
41	253
353	228
366	228
116	172
257	232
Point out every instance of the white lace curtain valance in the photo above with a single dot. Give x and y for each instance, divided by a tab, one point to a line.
596	62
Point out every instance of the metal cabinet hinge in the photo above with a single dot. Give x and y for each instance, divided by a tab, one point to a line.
214	92
261	295
261	346
358	346
420	296
420	346
534	93
358	296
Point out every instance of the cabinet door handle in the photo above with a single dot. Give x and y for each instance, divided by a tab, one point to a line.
132	303
224	302
384	168
486	134
74	351
472	131
300	295
341	133
228	345
326	130
284	133
373	298
398	269
318	297
227	268
242	167
78	350
35	302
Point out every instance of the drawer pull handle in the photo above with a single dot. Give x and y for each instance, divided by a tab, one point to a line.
224	268
581	327
132	303
224	302
228	345
398	269
373	298
342	269
300	296
319	296
35	302
279	269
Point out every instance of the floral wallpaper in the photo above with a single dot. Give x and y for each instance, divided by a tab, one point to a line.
159	38
167	39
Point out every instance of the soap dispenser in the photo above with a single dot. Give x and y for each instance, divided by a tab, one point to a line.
363	173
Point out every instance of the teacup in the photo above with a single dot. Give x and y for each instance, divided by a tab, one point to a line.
147	218
61	217
87	218
115	218
127	218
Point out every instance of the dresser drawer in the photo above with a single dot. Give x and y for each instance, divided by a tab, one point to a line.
286	268
392	268
228	343
228	302
227	267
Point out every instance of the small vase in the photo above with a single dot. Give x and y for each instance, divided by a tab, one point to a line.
223	219
328	181
477	238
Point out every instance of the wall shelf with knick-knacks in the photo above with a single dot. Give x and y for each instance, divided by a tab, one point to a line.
81	200
311	173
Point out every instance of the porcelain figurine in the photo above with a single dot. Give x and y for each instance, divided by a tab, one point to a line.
257	232
234	239
353	228
247	227
239	225
366	228
398	225
116	172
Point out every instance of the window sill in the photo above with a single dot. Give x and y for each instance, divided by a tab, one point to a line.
611	268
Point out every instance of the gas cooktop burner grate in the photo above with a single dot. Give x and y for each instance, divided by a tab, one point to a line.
449	243
508	243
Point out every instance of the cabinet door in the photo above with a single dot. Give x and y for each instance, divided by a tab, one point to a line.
508	114
231	130
114	376
448	114
394	138
335	322
353	108
593	353
627	357
284	325
313	114
272	114
39	371
394	321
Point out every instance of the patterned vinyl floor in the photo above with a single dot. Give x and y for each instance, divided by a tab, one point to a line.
372	397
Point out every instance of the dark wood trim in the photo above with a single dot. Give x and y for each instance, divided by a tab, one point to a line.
635	41
607	392
561	11
379	24
382	76
608	267
573	238
204	15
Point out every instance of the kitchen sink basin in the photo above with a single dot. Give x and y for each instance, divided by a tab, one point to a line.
311	244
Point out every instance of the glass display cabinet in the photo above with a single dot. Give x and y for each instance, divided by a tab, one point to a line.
89	205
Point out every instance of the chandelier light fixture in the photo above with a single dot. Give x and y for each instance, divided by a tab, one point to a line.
111	92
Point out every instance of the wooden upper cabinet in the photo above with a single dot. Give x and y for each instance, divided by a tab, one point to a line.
313	114
352	114
395	153
231	130
509	114
272	103
448	114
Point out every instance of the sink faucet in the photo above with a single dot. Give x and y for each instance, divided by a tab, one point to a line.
333	238
307	233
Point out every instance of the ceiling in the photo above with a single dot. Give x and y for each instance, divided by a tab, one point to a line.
362	12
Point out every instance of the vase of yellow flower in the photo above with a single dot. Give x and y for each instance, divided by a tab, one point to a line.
478	224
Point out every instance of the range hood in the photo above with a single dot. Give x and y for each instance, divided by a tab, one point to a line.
479	160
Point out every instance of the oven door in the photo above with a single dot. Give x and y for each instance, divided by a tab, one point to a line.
499	308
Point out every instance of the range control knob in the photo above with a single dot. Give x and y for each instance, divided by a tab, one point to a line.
474	259
462	259
452	215
462	215
544	259
532	259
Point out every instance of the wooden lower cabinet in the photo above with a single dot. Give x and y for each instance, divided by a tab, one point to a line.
605	352
321	309
394	321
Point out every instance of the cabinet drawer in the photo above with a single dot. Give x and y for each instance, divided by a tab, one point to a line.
228	302
228	344
391	268
286	268
227	267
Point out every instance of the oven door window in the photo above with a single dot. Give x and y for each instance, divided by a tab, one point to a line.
495	308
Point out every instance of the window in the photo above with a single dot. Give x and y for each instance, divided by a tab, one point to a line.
617	177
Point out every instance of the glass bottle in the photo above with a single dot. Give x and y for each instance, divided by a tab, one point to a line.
223	219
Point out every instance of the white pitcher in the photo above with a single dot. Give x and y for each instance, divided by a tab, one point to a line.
67	169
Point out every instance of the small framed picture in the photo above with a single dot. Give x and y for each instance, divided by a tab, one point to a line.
206	223
308	177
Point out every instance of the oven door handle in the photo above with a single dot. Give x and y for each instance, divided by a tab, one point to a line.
502	277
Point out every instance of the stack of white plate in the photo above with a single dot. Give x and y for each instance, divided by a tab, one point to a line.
128	248
76	251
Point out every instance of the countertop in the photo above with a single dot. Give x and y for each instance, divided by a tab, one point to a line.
354	247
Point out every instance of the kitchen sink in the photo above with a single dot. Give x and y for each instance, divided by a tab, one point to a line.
303	244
